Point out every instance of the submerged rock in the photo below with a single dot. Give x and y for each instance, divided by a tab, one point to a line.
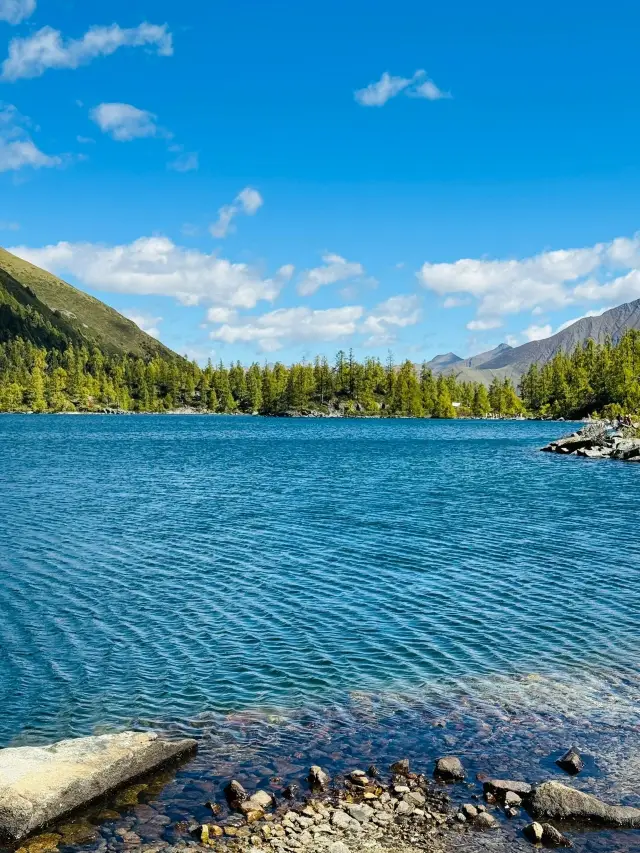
552	837
571	762
400	767
40	784
560	802
449	769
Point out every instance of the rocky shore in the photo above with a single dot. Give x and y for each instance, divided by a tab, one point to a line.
600	441
362	812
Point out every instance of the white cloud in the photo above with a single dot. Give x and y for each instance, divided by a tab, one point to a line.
9	226
189	161
124	122
512	340
32	56
15	11
484	325
377	94
547	281
85	140
273	330
454	302
156	265
335	269
430	91
145	323
398	312
17	148
537	333
221	315
248	201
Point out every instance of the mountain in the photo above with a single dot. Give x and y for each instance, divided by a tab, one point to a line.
484	358
505	362
441	362
47	311
612	324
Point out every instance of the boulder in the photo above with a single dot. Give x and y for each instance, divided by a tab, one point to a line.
556	801
449	769
485	821
235	794
626	448
40	784
499	787
512	799
534	832
318	779
571	762
552	837
400	767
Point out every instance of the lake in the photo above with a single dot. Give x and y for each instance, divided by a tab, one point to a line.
331	590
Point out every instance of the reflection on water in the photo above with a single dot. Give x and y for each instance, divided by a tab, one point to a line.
298	591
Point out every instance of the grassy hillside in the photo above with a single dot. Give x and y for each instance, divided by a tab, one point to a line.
40	307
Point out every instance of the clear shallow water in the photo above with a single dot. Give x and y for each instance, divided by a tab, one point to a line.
288	590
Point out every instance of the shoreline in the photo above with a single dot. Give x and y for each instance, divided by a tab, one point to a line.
400	808
294	415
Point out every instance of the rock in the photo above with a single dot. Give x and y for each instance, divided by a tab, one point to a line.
512	799
469	811
560	802
253	815
40	784
235	794
511	812
626	449
533	831
404	807
259	800
291	791
362	813
338	847
571	762
373	772
499	788
551	837
318	779
485	821
341	820
400	767
449	769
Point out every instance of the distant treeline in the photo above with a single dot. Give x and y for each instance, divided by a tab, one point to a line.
603	379
81	379
595	378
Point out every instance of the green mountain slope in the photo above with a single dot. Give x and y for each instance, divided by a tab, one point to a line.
45	310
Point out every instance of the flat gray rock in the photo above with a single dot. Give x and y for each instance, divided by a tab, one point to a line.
41	783
556	801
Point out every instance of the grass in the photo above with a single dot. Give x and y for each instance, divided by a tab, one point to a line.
94	321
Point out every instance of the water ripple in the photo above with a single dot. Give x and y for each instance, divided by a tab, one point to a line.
213	575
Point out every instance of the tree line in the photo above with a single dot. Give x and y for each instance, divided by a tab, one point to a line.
602	379
81	378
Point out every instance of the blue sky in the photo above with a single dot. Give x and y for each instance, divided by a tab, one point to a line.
277	179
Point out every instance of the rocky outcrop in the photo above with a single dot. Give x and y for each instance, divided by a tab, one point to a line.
597	441
40	784
556	801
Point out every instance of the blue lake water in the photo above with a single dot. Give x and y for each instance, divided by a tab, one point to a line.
290	588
